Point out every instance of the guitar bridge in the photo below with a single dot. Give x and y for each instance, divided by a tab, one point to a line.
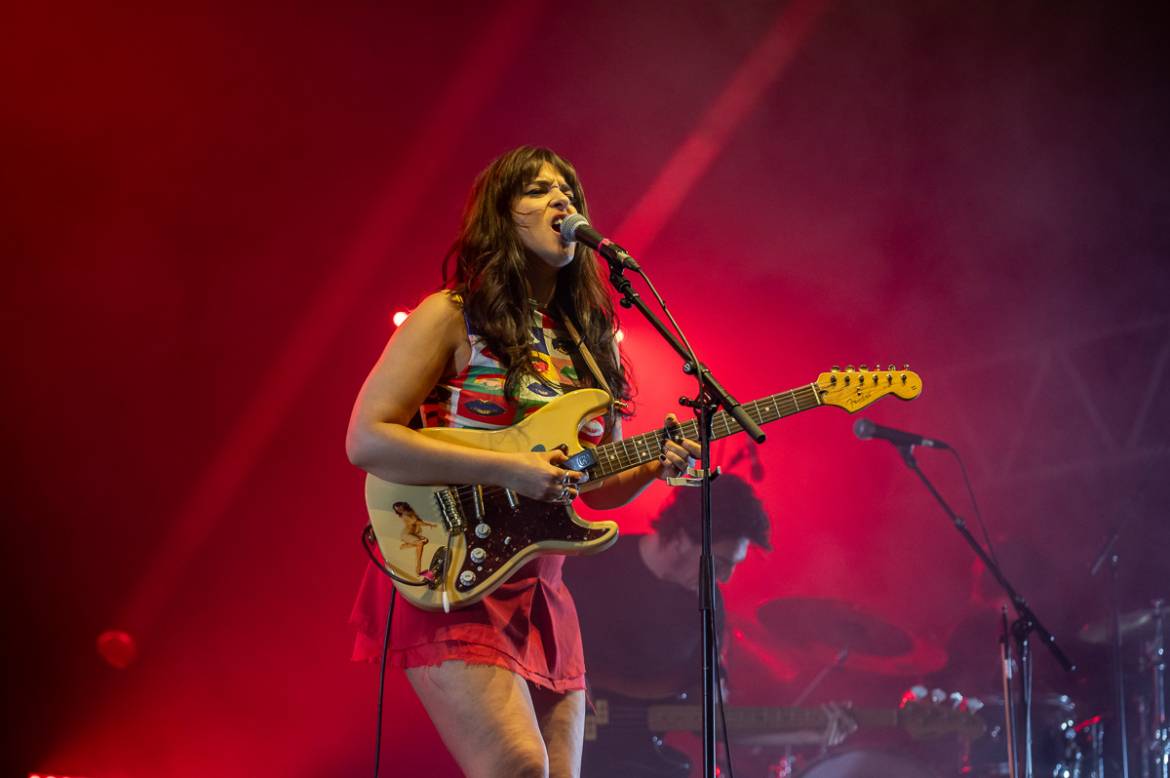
451	510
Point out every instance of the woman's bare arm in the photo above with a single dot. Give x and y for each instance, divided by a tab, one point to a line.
379	441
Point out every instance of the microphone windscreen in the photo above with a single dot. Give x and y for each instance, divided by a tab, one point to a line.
863	429
570	225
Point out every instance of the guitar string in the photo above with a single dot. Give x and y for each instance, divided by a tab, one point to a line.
631	716
722	425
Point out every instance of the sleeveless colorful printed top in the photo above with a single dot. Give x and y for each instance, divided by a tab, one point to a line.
529	624
475	397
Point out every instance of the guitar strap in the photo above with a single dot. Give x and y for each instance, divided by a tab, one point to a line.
590	362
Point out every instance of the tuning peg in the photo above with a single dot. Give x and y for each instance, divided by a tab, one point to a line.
836	368
891	368
849	368
906	367
863	366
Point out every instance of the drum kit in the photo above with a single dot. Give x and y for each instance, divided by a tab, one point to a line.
1068	740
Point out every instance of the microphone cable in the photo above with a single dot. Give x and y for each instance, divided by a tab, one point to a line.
382	683
368	542
719	673
975	506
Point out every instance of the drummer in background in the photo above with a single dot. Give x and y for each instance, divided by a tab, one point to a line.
638	605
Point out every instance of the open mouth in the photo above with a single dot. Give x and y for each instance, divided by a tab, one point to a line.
556	224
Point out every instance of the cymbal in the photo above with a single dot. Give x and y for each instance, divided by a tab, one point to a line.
833	623
1132	623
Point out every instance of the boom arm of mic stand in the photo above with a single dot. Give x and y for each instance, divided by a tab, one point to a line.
1023	610
714	389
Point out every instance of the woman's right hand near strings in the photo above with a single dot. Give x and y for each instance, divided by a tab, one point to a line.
540	475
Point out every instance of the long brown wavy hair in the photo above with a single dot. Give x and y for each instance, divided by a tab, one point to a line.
490	274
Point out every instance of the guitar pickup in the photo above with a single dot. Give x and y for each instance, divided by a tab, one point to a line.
477	497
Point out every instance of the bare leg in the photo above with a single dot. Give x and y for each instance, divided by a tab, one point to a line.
486	719
562	723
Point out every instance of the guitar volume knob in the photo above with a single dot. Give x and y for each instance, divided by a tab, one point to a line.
482	530
466	578
478	555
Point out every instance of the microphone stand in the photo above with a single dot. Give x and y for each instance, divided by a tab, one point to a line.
711	395
1025	624
1115	644
1109	553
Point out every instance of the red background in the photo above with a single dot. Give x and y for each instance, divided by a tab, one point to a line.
211	212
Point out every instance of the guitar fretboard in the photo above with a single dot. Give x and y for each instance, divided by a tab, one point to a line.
630	452
667	718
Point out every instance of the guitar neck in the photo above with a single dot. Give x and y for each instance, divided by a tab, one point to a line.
613	458
666	718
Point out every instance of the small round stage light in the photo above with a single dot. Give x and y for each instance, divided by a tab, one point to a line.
118	648
619	336
398	318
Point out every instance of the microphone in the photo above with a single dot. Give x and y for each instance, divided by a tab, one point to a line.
866	429
576	228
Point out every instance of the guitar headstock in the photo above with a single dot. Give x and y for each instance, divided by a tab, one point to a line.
854	389
929	715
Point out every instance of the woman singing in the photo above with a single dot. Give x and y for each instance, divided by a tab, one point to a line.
503	680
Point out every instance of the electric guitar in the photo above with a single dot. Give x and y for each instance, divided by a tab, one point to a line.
623	735
449	546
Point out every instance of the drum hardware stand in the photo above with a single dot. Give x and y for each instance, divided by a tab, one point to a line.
1097	733
1158	748
1009	701
1143	713
1108	553
710	396
1025	624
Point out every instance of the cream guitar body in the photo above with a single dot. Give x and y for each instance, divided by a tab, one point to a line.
460	543
449	546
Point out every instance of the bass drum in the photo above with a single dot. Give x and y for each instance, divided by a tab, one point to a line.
867	763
